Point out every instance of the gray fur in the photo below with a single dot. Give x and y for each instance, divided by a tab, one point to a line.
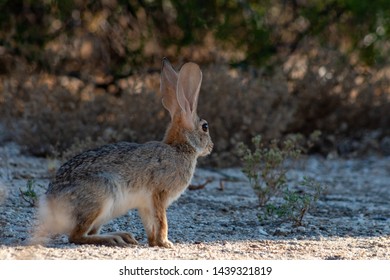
101	184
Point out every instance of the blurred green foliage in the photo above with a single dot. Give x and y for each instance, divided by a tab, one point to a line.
260	30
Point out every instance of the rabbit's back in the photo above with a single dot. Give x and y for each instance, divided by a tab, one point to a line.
127	166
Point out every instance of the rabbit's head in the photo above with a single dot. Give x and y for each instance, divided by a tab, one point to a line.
180	93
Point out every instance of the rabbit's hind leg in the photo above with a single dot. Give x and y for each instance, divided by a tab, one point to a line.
79	236
94	230
85	232
126	236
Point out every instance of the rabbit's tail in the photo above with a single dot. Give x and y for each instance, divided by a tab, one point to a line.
54	217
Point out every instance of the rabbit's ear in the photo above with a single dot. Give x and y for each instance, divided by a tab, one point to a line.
168	85
188	87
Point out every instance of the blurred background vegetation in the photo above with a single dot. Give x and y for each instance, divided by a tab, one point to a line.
75	74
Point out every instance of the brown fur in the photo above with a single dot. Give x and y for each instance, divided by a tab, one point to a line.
101	184
160	205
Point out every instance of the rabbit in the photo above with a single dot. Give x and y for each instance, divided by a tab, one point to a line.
100	184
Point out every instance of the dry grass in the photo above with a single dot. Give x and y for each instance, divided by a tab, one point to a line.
50	115
240	105
316	90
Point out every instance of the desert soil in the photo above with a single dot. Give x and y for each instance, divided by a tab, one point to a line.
351	219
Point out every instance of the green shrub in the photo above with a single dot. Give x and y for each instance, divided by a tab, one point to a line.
266	168
296	203
29	193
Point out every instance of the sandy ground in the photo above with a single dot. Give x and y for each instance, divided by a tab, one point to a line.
351	219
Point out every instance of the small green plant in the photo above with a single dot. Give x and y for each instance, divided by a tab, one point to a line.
266	170
265	167
29	194
296	203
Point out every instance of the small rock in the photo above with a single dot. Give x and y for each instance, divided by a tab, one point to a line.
301	229
282	232
262	232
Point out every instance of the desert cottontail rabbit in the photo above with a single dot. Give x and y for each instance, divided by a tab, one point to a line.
98	185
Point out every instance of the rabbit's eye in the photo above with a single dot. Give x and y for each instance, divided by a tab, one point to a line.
205	127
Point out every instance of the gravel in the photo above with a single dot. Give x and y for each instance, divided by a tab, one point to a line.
220	221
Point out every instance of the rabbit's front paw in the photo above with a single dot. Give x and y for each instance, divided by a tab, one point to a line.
165	244
161	243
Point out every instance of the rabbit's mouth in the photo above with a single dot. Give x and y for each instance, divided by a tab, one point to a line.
207	150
